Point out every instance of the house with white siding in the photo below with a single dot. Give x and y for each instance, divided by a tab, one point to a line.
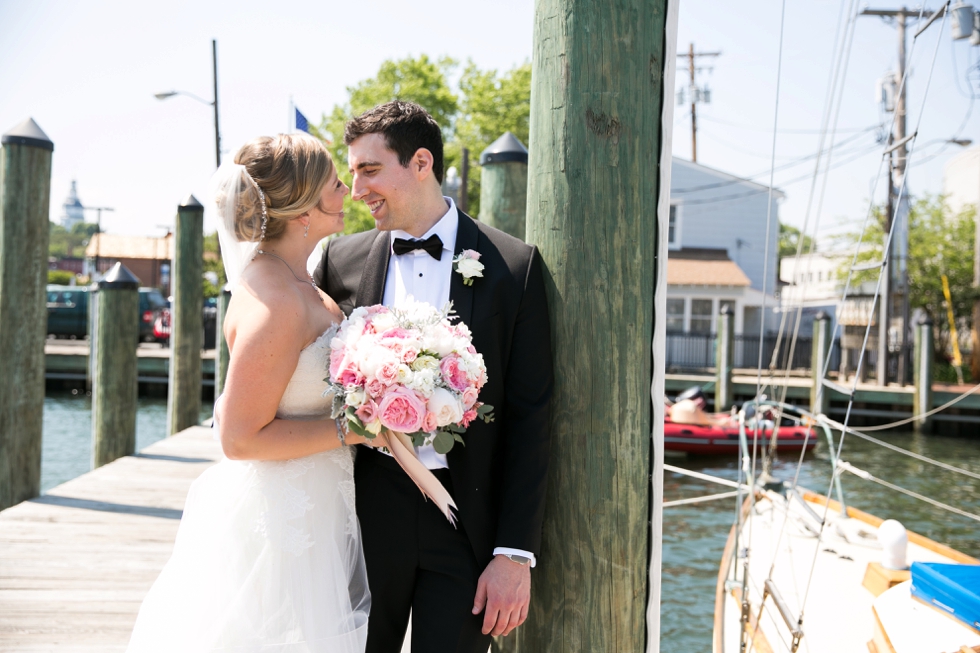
717	250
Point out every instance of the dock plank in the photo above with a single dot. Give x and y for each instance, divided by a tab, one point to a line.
76	562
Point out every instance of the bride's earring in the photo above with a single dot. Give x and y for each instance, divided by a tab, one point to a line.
307	232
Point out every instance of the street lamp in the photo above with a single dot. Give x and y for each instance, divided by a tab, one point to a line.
214	67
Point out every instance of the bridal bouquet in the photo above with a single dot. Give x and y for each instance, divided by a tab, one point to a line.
407	370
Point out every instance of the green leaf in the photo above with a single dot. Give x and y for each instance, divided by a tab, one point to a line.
443	442
355	425
484	409
418	438
459	439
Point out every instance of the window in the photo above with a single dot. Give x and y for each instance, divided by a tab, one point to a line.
675	314
701	315
751	320
673	227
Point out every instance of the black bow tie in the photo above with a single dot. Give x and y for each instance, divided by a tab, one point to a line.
432	244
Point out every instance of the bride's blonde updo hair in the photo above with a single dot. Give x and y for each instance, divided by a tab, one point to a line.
291	170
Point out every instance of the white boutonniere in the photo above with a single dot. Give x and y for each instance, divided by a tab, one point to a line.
468	265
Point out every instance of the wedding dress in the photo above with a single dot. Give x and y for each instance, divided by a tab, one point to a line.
268	554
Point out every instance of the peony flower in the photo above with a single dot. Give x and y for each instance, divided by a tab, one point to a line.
402	410
388	372
374	388
453	374
446	407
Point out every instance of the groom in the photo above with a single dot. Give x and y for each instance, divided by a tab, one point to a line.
464	584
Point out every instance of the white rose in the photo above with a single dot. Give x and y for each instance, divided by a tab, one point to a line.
439	343
405	374
446	407
384	321
424	382
355	398
469	268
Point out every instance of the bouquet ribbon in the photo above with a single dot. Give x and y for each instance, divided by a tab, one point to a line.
404	453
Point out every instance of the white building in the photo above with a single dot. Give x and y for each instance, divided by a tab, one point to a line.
717	250
809	287
961	179
73	211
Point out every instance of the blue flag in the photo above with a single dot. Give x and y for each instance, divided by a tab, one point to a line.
302	124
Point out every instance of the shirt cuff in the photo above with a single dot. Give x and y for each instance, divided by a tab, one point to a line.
502	550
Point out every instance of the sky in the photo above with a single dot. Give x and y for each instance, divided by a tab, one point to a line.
87	72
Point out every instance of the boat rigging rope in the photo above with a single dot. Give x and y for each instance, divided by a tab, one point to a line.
903	422
887	245
912	454
860	473
709	497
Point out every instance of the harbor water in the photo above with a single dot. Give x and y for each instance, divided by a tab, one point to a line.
694	535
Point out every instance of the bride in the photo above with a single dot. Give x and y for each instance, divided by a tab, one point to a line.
268	554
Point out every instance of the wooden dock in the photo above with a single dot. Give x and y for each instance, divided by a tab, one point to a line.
67	360
76	562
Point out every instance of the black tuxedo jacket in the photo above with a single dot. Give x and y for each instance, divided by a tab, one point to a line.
499	476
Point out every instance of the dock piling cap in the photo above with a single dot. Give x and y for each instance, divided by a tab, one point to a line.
119	277
504	149
190	204
28	133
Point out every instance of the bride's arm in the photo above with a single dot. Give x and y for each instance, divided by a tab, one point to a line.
267	342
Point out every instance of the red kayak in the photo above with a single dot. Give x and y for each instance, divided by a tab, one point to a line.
723	440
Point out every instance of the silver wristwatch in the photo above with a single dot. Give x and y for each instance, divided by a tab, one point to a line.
521	560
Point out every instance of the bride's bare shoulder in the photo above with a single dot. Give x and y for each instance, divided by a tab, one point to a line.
264	303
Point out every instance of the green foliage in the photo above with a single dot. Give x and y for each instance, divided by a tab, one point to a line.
213	263
70	244
60	277
789	240
940	242
488	105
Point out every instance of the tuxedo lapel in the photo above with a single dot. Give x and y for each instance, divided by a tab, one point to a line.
372	287
461	295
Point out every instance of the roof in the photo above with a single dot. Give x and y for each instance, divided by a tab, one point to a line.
700	272
136	247
734	179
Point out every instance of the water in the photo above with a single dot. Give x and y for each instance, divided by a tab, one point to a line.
66	446
694	535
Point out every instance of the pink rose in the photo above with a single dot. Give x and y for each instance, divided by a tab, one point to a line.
375	388
409	355
430	423
468	418
396	332
367	413
402	410
388	373
350	375
469	397
454	376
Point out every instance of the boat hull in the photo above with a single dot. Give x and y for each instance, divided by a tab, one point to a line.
723	440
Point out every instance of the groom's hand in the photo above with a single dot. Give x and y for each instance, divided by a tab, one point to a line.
504	589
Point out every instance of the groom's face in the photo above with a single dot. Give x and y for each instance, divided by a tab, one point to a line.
390	190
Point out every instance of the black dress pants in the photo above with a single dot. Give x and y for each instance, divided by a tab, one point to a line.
416	562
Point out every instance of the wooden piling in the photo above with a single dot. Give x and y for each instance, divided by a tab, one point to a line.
503	186
115	379
186	321
593	188
25	192
724	359
922	369
818	363
221	360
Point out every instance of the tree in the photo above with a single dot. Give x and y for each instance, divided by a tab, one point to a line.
213	263
70	244
940	242
789	240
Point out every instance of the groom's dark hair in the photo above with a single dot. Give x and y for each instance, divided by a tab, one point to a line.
406	126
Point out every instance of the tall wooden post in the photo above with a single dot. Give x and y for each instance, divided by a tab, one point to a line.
818	363
187	323
503	186
25	191
922	368
115	385
221	362
593	180
724	359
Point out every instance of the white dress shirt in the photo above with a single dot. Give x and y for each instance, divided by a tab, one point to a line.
417	274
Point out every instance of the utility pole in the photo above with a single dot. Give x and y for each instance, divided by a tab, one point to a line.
894	288
697	94
217	132
98	221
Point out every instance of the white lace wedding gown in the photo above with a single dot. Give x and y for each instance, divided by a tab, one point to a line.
268	555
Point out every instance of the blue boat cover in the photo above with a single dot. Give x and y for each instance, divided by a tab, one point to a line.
954	589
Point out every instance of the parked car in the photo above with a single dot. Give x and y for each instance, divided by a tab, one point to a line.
162	328
68	311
